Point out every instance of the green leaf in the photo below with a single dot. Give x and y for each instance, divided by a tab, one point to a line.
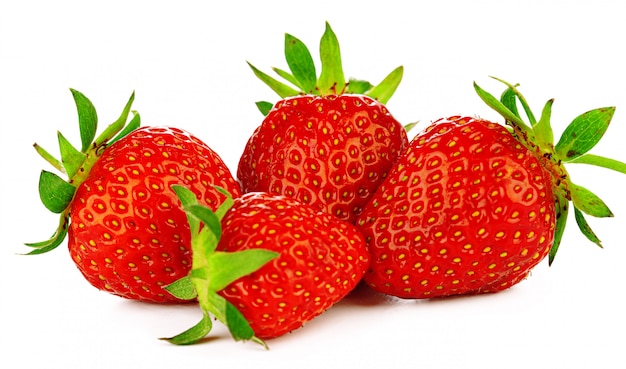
207	216
587	202
332	78
115	127
71	158
562	211
280	88
134	123
522	100
195	333
584	133
543	128
264	107
52	243
182	289
287	77
384	90
602	162
585	228
509	99
356	86
237	324
56	163
300	63
188	198
495	104
87	119
226	205
55	193
409	126
227	267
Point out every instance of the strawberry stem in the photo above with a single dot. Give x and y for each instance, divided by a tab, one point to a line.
213	271
56	193
331	81
580	136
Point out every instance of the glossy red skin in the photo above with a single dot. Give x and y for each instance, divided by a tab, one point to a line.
322	259
128	235
466	210
331	152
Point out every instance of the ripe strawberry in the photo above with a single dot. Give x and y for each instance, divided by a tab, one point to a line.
328	145
127	233
472	207
315	259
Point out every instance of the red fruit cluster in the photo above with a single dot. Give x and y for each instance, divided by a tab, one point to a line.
332	193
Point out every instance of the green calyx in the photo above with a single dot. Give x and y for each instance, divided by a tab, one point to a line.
582	134
212	271
302	77
57	193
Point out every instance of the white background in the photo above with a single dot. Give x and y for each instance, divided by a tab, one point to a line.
186	62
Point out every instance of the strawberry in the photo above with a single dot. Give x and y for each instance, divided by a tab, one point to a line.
329	144
126	231
471	206
270	262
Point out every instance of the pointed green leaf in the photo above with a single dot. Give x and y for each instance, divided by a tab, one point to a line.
495	104
115	127
56	163
87	119
50	244
584	133
227	267
71	157
55	193
237	324
300	63
360	87
226	205
332	80
522	100
134	123
230	316
602	162
562	211
585	228
543	128
182	289
409	126
264	107
384	90
589	203
195	333
188	198
208	217
287	77
280	88
509	99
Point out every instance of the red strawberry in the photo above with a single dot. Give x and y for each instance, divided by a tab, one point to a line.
316	260
472	207
328	145
127	233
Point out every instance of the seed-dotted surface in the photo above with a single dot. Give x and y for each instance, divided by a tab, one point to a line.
128	234
467	209
330	152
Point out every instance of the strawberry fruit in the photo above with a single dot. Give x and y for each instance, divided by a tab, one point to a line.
126	231
267	265
471	207
327	143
